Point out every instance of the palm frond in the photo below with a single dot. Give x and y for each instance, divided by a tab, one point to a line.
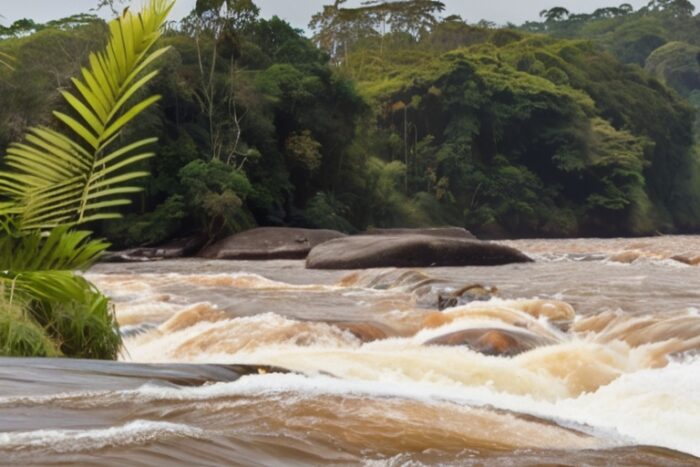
7	60
60	249
80	176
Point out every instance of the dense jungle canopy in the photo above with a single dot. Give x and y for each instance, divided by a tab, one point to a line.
393	115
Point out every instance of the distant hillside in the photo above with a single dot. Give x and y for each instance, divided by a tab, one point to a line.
517	133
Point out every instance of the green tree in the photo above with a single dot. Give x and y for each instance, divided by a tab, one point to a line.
555	14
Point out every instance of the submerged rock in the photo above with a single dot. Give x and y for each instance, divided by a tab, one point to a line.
626	257
689	259
366	331
266	243
494	342
553	310
467	294
450	232
407	251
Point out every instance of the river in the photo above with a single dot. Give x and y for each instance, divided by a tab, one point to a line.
267	363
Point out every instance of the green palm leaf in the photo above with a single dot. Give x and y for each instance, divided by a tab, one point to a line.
80	176
60	249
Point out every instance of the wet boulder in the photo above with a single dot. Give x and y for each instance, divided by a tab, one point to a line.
451	232
467	294
493	342
409	251
267	243
366	331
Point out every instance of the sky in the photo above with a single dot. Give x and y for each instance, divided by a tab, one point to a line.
298	12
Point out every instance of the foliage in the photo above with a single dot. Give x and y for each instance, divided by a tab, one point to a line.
326	212
677	65
339	29
21	336
38	283
396	117
216	192
530	135
151	228
59	178
304	151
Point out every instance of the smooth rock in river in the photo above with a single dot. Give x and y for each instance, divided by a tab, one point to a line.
408	251
367	331
451	232
467	294
266	243
494	342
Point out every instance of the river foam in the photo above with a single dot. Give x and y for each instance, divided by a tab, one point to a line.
613	368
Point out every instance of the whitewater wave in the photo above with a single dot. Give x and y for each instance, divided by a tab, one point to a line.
67	441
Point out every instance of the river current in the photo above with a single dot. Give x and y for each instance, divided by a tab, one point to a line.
267	363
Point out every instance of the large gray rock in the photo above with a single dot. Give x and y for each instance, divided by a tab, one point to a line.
452	232
407	251
269	243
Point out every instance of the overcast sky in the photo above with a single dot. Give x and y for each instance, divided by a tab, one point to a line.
298	12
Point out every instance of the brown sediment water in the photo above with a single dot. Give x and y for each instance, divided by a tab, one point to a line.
264	363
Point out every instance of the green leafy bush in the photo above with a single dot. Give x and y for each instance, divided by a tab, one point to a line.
326	212
216	193
151	228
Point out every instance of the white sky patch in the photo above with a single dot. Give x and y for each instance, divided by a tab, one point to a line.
299	12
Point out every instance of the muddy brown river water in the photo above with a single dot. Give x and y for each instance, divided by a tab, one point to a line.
266	363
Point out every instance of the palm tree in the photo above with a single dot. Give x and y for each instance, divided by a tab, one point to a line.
60	179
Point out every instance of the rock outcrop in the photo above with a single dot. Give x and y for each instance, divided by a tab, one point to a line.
266	243
408	251
451	232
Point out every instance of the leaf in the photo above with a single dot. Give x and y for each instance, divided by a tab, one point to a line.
57	177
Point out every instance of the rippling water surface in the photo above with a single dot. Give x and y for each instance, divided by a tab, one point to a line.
263	363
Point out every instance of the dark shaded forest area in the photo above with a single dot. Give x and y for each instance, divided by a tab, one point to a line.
394	115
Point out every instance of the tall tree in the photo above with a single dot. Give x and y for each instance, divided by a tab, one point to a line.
337	28
555	14
217	23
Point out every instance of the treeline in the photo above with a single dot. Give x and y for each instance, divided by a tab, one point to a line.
663	38
394	116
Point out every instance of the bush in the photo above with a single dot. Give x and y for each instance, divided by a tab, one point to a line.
216	193
151	228
78	328
325	212
81	329
21	336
